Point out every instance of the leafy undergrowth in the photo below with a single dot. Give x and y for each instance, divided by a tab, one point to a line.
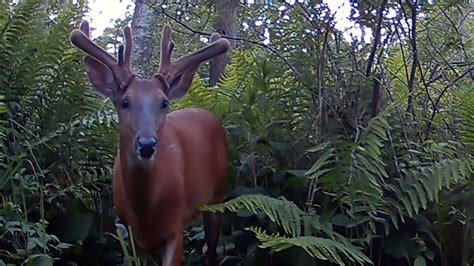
320	173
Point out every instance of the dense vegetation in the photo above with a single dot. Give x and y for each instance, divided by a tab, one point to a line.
343	151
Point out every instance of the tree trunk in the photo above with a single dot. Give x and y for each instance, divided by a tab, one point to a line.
411	80
377	92
226	24
143	22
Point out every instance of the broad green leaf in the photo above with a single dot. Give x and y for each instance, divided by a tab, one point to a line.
420	261
39	260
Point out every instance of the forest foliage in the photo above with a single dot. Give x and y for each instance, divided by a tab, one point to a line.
343	151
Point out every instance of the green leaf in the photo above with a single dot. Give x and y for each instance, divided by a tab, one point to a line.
323	160
320	248
341	220
420	261
39	260
281	211
320	147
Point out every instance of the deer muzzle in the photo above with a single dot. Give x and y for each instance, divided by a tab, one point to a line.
146	147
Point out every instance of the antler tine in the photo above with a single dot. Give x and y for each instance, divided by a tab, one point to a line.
121	69
219	46
214	37
167	46
85	28
216	47
79	39
125	59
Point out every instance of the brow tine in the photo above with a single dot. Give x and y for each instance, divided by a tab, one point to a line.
214	37
166	46
79	39
127	32
85	28
120	55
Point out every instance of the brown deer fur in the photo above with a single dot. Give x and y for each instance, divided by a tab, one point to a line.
168	164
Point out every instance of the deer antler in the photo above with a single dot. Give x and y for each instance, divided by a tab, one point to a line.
121	69
125	59
172	69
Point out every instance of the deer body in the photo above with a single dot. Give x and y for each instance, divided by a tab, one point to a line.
168	164
164	196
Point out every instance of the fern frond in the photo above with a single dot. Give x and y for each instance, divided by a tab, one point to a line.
415	192
465	108
320	248
320	167
3	129
281	211
362	167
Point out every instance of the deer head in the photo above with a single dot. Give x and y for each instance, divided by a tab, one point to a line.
142	104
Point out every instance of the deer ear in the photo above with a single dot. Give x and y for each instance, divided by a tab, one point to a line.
100	76
180	84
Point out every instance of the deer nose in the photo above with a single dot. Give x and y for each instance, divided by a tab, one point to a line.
146	146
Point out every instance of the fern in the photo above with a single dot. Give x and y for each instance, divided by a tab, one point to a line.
396	69
426	184
43	77
291	218
321	166
281	211
261	98
320	248
358	175
465	110
3	129
357	172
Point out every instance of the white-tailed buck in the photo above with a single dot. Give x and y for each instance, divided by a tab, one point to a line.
168	164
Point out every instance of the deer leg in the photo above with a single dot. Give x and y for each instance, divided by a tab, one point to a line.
173	252
212	224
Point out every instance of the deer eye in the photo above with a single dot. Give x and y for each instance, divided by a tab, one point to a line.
164	104
125	103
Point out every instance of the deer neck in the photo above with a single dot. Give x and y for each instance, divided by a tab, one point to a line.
139	180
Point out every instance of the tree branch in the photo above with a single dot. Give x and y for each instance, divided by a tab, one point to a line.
378	29
271	49
411	80
452	83
377	92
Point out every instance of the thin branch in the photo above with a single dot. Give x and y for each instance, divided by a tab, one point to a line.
271	49
399	112
452	83
308	17
411	81
378	29
440	55
319	73
398	26
425	84
376	93
456	28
